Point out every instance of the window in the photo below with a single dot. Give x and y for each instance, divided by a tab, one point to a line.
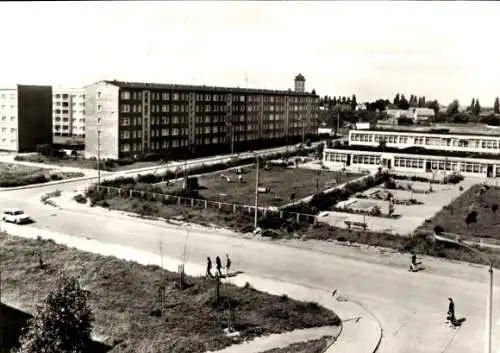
98	94
124	147
175	96
125	108
125	95
165	96
124	134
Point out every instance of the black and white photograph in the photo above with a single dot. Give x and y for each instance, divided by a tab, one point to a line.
249	176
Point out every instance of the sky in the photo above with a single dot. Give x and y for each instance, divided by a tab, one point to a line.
374	49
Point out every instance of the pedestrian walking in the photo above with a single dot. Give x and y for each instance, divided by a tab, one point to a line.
209	268
228	265
451	312
218	266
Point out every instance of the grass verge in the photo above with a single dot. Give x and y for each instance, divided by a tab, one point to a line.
124	294
12	175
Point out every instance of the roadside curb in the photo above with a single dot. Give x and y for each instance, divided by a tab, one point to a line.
363	336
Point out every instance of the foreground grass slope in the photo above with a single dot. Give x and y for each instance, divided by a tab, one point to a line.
479	199
12	175
124	294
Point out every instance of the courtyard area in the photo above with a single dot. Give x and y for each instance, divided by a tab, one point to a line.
408	217
280	184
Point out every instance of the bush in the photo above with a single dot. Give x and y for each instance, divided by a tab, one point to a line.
125	161
80	198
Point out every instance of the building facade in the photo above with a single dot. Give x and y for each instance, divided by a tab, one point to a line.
414	163
418	152
429	140
68	109
25	117
125	119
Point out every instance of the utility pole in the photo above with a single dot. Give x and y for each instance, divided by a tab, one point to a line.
98	155
232	137
256	194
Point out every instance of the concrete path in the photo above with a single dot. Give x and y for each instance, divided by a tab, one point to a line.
265	343
358	336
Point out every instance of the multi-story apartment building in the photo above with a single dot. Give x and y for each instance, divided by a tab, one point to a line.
126	119
68	108
25	117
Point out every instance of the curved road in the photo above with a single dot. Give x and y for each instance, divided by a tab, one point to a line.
410	306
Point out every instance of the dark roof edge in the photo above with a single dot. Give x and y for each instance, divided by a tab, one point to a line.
143	85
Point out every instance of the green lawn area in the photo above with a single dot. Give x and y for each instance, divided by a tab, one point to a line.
452	217
123	295
19	175
83	163
282	182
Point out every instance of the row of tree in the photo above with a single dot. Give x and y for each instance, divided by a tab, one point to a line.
331	102
403	103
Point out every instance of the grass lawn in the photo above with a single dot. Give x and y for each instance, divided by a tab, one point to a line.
452	217
282	182
313	346
123	295
81	163
18	175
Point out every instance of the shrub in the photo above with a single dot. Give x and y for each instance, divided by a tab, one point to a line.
80	198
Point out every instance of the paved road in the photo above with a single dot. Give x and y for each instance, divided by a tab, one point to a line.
410	306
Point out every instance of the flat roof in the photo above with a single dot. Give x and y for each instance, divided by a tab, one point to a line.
436	131
167	86
416	150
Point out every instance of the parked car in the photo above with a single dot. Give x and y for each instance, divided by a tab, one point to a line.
15	215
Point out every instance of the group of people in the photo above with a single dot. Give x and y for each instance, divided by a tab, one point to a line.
218	267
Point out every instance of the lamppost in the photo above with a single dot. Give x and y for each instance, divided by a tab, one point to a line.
489	302
98	153
256	215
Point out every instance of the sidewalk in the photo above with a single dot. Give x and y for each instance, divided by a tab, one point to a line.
358	336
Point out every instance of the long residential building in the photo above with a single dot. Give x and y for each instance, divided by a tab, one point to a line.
25	117
68	109
129	119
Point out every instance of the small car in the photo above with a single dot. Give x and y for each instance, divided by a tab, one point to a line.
15	215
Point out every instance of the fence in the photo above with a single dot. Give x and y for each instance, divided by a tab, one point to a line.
200	203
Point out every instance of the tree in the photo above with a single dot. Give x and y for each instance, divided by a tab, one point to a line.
477	107
403	103
344	100
396	100
453	107
496	106
471	218
433	105
354	103
334	101
63	323
472	105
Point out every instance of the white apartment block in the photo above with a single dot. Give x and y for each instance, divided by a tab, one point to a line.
68	109
8	119
25	117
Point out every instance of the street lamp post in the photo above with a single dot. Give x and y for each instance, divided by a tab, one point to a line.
256	215
489	302
98	156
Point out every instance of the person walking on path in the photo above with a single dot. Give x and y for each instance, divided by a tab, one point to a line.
218	266
451	312
209	268
228	265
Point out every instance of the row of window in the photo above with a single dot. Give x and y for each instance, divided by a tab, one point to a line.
365	159
9	96
12	130
210	97
12	118
12	141
430	141
66	96
408	162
